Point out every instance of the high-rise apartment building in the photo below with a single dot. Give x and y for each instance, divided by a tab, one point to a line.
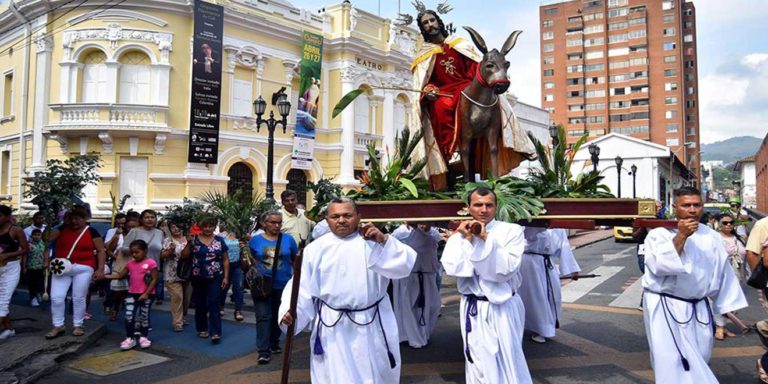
623	66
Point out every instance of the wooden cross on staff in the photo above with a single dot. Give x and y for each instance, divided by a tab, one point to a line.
292	310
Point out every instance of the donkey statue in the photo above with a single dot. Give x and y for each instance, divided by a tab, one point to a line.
481	114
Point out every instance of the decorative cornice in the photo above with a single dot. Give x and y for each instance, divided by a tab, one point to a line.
115	33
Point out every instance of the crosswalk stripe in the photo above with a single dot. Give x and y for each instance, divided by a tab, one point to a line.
577	289
630	298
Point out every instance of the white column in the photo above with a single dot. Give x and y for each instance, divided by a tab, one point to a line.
388	123
68	86
229	70
346	167
373	101
112	81
42	97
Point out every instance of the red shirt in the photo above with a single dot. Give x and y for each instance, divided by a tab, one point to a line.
85	249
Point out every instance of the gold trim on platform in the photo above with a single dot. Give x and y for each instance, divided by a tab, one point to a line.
415	219
646	207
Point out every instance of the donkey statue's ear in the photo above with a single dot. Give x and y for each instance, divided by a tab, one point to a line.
478	40
510	43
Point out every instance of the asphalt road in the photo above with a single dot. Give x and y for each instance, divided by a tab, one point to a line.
601	340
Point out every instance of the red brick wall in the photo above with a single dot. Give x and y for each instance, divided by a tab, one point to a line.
761	169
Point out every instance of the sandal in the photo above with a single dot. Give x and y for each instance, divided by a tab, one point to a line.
78	331
113	316
720	334
55	332
203	335
215	339
239	316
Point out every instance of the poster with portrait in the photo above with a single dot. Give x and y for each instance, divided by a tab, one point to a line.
309	99
206	83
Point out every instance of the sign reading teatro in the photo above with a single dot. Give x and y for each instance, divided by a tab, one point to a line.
206	83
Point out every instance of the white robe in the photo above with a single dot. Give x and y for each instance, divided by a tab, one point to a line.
540	289
700	271
490	269
415	323
350	273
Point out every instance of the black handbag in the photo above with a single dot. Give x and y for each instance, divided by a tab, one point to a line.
759	276
184	268
260	285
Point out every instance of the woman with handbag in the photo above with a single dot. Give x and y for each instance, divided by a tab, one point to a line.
13	245
272	251
148	231
178	286
210	274
74	265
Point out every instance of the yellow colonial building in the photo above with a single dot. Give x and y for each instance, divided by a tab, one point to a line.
114	78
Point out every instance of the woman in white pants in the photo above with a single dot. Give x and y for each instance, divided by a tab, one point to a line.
13	245
77	242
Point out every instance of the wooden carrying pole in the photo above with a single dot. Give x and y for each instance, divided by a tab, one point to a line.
292	310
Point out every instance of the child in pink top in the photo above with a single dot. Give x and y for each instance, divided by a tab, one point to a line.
142	279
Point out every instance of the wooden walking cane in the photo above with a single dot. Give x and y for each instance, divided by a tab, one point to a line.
292	311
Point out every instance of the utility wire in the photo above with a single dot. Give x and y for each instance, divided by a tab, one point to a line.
48	23
91	15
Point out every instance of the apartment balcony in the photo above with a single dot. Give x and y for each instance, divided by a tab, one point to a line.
107	120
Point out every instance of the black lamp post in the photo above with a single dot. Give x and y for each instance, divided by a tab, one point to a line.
619	161
634	181
284	108
555	142
594	153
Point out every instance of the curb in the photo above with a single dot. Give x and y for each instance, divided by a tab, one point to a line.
592	242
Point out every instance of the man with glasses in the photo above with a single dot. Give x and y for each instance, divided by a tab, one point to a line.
685	269
294	222
343	298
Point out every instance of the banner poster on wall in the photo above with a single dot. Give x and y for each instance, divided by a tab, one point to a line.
206	83
309	98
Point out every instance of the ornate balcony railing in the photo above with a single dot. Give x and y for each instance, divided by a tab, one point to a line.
101	116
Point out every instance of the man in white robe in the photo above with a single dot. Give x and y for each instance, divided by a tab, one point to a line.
417	297
484	255
343	297
540	289
683	268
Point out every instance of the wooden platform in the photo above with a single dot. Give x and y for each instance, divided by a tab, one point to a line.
558	213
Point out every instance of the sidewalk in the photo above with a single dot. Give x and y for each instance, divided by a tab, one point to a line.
582	239
28	355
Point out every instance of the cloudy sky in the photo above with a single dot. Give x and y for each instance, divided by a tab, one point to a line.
733	57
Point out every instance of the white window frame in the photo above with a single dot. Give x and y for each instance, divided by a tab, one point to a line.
241	97
139	92
97	91
3	112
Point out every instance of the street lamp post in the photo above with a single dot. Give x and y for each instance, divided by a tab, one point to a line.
594	153
619	161
284	108
555	142
634	181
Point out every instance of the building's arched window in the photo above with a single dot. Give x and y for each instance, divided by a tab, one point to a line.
297	181
134	78
240	179
95	85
